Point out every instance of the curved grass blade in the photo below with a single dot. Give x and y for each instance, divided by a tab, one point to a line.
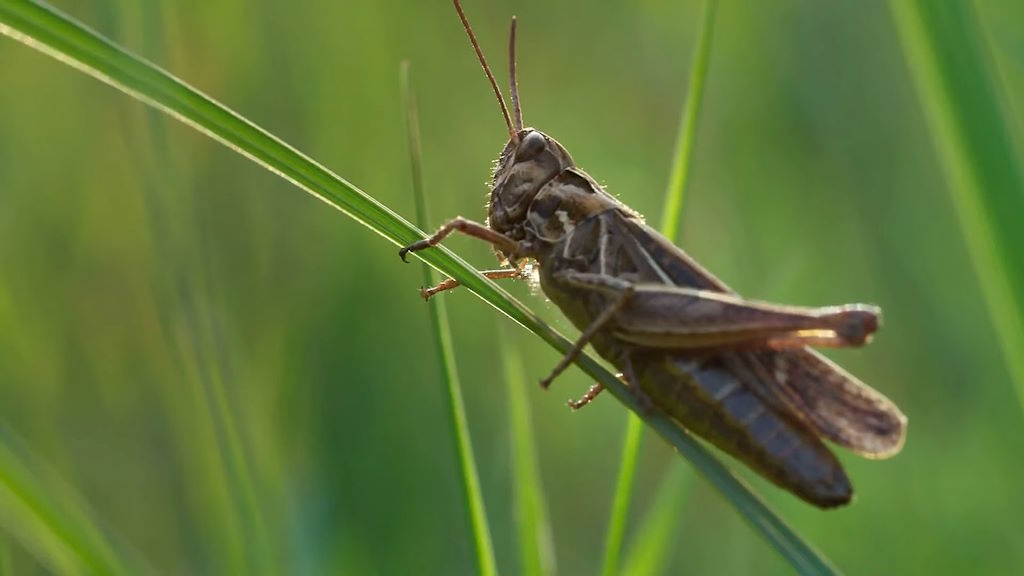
536	549
670	229
55	34
951	68
439	319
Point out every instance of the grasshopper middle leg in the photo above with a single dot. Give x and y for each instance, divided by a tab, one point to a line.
589	333
499	274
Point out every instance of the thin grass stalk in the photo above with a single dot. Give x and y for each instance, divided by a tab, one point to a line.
6	561
951	68
671	216
536	548
477	514
651	549
55	34
249	548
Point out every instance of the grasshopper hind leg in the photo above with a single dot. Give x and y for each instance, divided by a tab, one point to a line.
628	377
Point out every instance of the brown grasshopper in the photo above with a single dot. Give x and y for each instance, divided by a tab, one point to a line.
737	372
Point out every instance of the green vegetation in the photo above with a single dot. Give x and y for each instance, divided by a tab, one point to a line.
446	355
670	218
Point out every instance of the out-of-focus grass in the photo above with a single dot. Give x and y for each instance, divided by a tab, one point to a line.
949	61
475	509
623	493
651	548
536	547
6	567
240	534
670	218
679	179
47	518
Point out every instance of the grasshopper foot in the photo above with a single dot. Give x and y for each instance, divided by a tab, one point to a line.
414	247
586	398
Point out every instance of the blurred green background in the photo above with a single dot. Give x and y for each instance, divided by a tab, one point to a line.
176	322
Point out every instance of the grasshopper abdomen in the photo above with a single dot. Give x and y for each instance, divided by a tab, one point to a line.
708	399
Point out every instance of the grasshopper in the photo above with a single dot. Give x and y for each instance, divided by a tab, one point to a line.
739	373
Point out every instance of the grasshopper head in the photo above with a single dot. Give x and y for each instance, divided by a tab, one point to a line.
530	158
528	162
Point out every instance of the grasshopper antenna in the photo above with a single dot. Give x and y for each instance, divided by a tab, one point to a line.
483	62
517	112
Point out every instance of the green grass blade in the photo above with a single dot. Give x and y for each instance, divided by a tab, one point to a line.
652	547
951	68
536	549
57	35
439	318
45	516
6	562
672	212
670	228
232	458
623	493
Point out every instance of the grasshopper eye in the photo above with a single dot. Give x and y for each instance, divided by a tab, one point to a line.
533	144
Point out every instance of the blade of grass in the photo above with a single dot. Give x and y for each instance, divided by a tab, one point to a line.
623	492
439	319
55	34
49	520
198	344
536	549
199	337
6	562
680	175
670	229
948	60
652	547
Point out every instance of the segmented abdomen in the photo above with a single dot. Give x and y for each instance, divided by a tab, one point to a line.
712	402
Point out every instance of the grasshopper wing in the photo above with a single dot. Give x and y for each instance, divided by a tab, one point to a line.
830	400
800	382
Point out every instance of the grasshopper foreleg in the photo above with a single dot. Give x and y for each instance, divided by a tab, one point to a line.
467	227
